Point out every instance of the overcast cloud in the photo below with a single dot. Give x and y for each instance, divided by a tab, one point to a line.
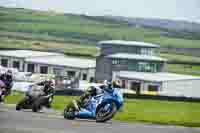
168	9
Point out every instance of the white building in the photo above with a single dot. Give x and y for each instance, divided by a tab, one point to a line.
161	83
140	71
48	63
16	58
63	66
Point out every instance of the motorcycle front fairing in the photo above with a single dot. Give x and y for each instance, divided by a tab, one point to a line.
114	96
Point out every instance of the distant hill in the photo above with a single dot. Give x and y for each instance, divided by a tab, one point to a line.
169	28
159	23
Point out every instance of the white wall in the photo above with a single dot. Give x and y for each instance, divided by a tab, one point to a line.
188	88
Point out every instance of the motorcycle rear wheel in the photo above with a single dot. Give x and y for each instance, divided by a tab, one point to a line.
69	112
21	104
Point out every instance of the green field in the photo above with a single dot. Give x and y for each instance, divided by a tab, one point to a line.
184	69
187	68
150	111
67	48
180	58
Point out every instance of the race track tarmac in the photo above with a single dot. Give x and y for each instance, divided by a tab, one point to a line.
12	121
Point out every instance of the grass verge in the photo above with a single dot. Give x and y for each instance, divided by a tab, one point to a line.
184	69
180	58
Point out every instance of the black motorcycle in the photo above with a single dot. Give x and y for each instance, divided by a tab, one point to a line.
35	100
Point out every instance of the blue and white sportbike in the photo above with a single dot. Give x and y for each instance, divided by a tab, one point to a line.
100	108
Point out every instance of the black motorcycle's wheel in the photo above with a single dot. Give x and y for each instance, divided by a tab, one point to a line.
1	99
69	112
37	105
2	96
21	104
103	115
49	102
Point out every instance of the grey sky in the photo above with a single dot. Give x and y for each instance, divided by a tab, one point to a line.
170	9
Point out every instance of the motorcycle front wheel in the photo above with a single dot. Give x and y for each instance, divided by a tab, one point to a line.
105	112
37	105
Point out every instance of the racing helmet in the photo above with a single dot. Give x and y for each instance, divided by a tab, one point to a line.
108	86
8	74
51	82
92	90
116	84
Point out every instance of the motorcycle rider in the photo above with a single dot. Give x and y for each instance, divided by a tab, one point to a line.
37	95
7	78
91	92
48	87
116	84
84	98
47	91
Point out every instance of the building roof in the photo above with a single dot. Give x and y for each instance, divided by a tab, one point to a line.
135	57
128	43
63	61
155	77
25	53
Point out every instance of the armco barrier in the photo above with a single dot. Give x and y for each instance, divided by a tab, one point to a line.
68	92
